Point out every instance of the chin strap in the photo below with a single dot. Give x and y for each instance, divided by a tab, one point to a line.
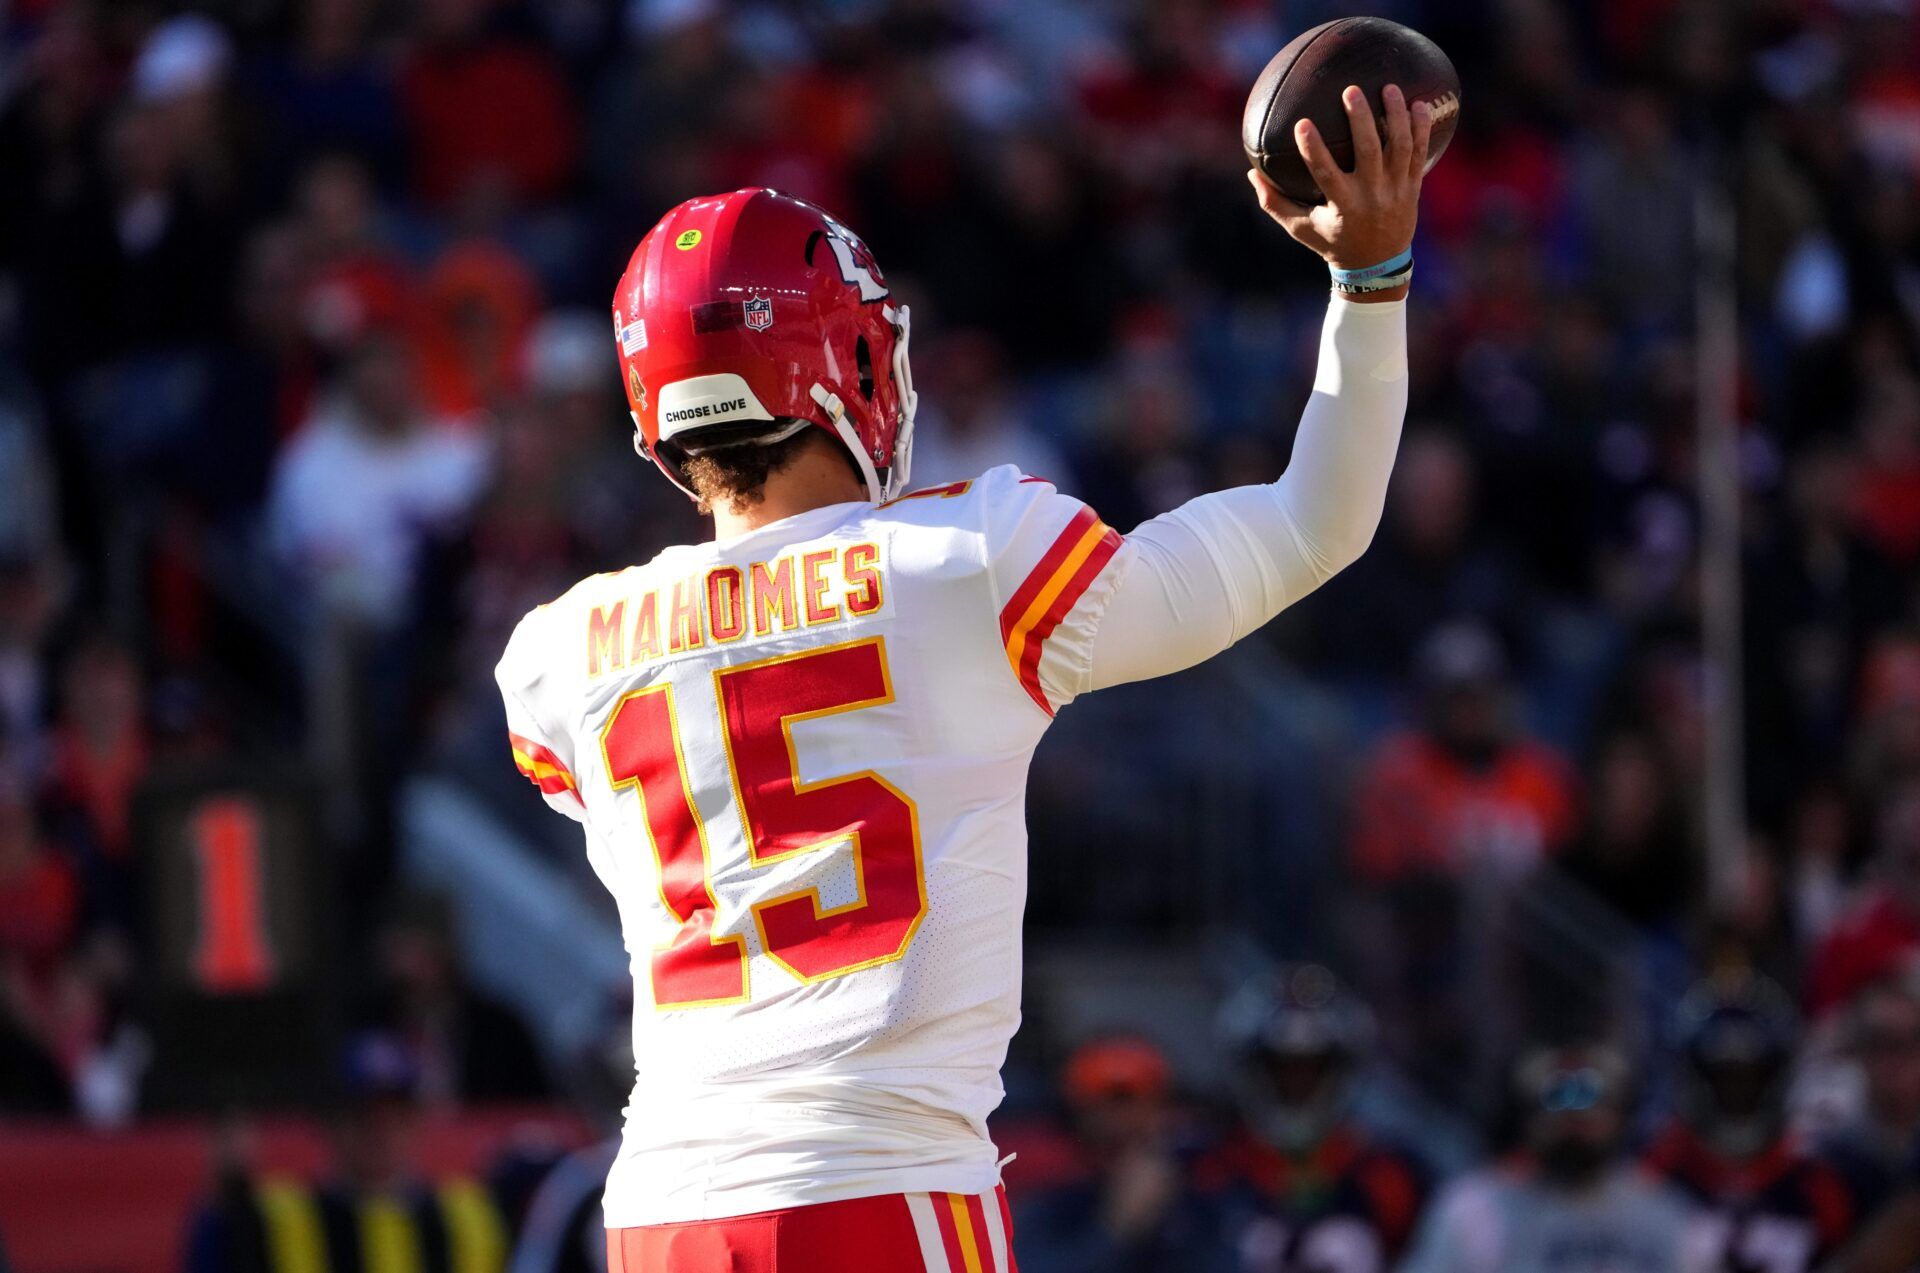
902	467
837	412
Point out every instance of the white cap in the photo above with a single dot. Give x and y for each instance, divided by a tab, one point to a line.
184	55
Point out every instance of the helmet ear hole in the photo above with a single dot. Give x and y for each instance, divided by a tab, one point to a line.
863	360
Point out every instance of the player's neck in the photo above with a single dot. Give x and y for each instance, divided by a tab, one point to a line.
819	476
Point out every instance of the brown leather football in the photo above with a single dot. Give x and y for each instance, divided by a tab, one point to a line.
1306	78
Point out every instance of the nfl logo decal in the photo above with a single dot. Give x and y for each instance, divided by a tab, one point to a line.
759	313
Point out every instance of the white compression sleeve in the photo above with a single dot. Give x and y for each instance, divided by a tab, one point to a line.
1206	574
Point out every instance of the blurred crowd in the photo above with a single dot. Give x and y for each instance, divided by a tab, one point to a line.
305	366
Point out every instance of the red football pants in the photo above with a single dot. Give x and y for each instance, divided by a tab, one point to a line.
893	1233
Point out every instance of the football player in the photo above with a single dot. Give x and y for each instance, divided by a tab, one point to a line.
1770	1203
799	751
1302	1185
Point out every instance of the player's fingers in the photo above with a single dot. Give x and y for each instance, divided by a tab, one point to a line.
1399	130
1263	190
1366	133
1422	138
1274	203
1294	217
1313	149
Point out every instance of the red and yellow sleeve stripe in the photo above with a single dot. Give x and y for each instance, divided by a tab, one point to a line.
1050	592
542	768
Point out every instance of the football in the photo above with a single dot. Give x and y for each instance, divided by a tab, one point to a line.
1305	80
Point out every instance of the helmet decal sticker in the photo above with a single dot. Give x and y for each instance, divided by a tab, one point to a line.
856	263
688	239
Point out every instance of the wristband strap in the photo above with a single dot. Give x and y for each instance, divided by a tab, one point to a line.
1382	270
1385	284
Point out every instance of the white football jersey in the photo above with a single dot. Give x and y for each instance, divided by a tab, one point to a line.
800	759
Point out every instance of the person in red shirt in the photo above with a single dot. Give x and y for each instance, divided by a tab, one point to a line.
1881	932
1449	817
39	896
100	749
43	1024
1465	788
485	110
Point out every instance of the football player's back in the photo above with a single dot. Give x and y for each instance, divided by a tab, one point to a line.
807	797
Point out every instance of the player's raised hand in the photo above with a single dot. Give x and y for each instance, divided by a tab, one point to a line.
1370	212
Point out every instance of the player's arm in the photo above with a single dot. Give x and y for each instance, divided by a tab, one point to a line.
1206	574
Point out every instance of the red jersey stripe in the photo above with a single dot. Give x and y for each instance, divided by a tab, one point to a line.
542	768
1044	570
1104	542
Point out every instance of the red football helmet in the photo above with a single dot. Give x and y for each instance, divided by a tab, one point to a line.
745	317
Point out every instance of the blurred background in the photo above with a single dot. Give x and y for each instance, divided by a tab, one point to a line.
1573	836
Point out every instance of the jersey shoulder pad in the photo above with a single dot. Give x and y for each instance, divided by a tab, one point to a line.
965	501
1051	561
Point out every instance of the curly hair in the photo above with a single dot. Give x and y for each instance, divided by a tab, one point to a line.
736	476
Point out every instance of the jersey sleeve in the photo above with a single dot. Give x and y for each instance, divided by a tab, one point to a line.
1054	565
542	750
1218	567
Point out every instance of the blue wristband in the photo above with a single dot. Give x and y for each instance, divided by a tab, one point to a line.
1372	272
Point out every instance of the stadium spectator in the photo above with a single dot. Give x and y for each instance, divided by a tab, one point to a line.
1880	932
1574	1195
100	748
1633	849
31	598
153	229
480	303
354	283
366	485
40	903
1882	1036
1430	559
1466	791
1449	817
1887	489
328	91
487	115
1122	1206
464	1047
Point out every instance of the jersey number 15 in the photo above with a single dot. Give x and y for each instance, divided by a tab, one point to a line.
781	817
